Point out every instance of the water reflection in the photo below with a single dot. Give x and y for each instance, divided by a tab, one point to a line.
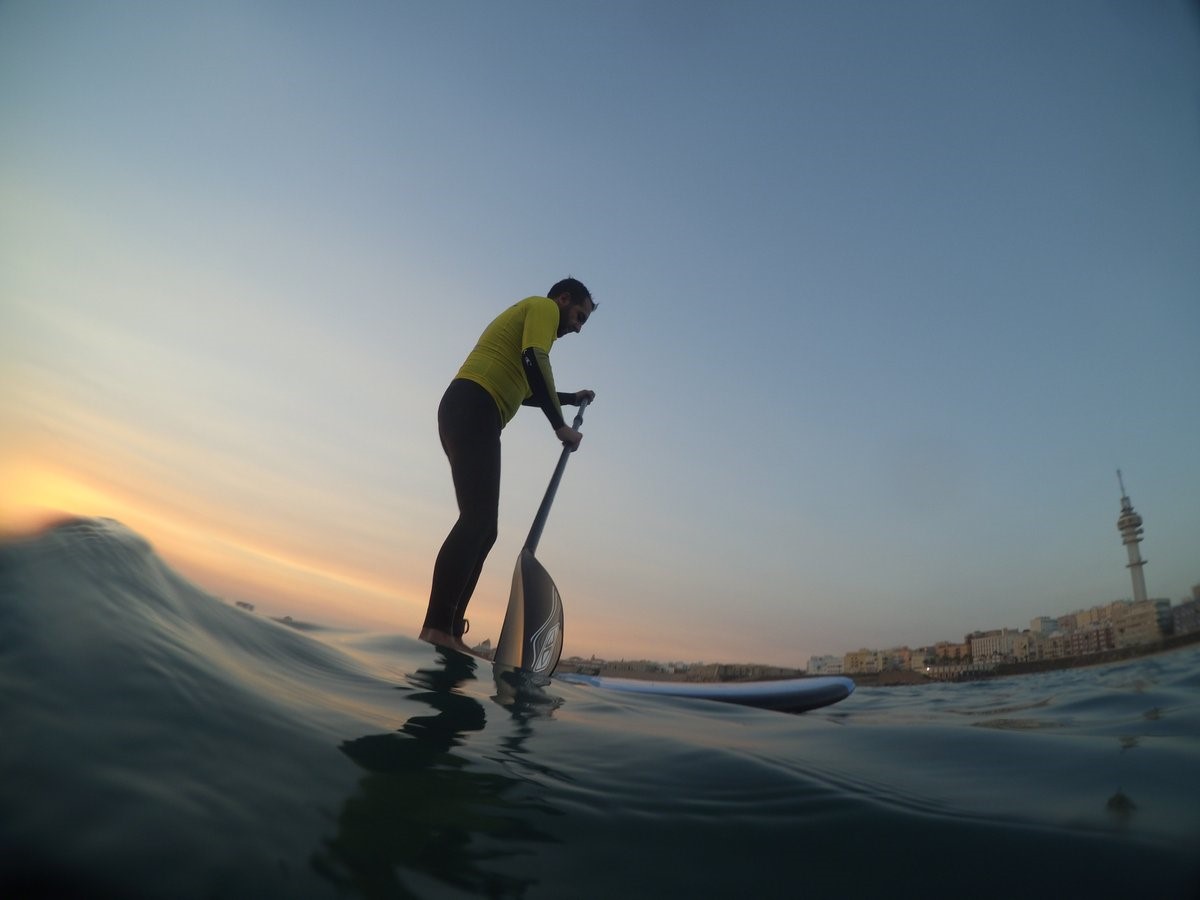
523	693
423	810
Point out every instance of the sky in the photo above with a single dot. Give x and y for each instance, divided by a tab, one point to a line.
887	294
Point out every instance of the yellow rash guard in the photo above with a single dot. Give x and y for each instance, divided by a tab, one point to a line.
511	362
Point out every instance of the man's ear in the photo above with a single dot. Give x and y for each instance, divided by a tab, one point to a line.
563	300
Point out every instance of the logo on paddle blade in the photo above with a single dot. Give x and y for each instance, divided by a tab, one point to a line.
545	643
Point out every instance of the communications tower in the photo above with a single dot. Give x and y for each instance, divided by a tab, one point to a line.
1130	526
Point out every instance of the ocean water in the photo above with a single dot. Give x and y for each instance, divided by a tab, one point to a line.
157	742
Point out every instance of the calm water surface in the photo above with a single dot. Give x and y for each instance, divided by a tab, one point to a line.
156	742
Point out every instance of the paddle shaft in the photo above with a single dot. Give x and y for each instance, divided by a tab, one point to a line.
543	513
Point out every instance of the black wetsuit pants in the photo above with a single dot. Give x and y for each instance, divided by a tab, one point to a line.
469	427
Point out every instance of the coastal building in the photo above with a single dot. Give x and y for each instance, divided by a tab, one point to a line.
1043	625
1139	621
1132	622
922	658
1029	646
895	659
993	645
1079	642
951	652
864	661
1185	618
825	665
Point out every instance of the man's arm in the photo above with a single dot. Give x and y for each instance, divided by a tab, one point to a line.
540	376
564	399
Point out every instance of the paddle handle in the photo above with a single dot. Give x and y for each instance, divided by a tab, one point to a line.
543	513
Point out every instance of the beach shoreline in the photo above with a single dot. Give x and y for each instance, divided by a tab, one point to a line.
650	670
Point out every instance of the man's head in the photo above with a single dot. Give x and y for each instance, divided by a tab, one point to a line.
575	304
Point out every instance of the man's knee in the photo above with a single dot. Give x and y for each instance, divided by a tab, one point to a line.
483	529
488	537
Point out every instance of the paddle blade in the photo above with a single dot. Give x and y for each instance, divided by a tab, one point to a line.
532	636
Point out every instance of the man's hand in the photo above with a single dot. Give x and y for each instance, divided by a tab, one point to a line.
587	395
569	437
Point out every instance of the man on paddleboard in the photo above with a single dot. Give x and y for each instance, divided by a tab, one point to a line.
509	368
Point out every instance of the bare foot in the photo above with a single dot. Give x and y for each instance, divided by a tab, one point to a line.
445	639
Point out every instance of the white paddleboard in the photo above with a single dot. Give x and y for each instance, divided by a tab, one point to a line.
785	695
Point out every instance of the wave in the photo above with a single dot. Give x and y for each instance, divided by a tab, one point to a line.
159	742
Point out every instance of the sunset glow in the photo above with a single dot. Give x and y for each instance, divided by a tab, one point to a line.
886	296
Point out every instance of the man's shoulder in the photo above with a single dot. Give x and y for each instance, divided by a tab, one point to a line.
523	308
533	309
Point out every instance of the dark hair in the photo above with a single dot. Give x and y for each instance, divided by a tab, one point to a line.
575	288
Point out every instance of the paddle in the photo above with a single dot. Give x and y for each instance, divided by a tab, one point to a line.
532	635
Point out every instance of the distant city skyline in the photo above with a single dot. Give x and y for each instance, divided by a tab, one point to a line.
1129	526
